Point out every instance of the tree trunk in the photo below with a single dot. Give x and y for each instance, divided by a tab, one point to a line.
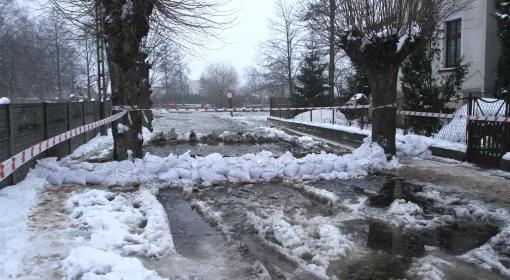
383	85
331	66
129	72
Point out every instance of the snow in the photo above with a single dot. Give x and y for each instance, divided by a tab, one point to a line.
129	224
493	255
400	208
101	147
317	193
316	238
16	203
214	169
4	101
322	116
409	144
89	263
507	156
121	128
455	130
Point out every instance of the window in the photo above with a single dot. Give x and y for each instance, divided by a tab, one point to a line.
453	41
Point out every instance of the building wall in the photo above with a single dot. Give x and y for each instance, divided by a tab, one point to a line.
472	44
493	48
480	46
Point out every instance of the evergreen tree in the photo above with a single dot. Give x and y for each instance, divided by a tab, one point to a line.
427	91
313	84
357	82
502	87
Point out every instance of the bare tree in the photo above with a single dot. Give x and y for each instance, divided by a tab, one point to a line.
378	36
217	79
254	83
126	25
281	50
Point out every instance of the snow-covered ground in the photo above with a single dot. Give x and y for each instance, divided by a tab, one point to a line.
112	229
409	144
112	226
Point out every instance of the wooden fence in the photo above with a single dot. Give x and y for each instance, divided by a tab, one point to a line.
24	125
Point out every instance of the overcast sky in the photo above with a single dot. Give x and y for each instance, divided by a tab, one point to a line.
239	43
241	40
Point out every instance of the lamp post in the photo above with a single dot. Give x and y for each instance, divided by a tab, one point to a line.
229	96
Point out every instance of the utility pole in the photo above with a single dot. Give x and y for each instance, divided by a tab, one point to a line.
100	53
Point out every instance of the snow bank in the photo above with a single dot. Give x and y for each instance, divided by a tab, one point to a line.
130	224
97	148
90	263
323	116
409	144
4	101
412	145
16	203
506	156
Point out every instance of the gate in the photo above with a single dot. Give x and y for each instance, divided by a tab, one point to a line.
487	141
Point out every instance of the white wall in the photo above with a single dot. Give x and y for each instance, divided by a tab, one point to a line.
473	44
480	46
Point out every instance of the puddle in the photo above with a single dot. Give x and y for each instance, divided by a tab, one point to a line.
390	250
384	250
392	190
193	237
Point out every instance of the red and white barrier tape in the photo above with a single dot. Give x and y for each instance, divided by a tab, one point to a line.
454	116
237	110
400	112
15	162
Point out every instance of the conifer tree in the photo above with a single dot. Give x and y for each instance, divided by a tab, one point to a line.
312	89
427	91
357	82
502	87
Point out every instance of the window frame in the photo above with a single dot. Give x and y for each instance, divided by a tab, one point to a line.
455	37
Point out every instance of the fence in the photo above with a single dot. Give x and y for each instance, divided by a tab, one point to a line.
487	139
23	125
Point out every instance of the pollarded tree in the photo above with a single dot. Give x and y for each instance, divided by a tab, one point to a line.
126	26
378	36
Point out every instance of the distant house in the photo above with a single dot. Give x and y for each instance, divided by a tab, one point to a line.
472	34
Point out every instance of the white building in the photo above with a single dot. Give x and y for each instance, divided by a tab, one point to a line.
472	34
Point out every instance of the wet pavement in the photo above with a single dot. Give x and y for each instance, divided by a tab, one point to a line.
279	226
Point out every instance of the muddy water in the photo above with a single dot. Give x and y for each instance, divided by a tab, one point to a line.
194	238
277	149
386	251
